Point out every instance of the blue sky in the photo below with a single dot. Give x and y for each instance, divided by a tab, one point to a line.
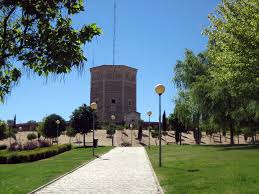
151	36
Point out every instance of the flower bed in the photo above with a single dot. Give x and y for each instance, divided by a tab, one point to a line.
9	157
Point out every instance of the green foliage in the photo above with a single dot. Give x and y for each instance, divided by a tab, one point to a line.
219	88
39	34
50	128
155	132
81	119
3	129
31	136
32	155
111	129
164	122
234	46
70	132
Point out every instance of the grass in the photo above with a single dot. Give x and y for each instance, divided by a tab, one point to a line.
25	177
207	169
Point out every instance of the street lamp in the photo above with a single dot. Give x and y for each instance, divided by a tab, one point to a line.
149	113
160	89
93	107
57	122
113	118
131	127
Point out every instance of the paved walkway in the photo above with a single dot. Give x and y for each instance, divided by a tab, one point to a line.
122	170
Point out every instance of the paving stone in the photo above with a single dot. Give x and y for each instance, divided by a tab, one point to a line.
122	170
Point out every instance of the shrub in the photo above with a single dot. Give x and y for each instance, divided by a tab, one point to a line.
110	131
33	155
43	143
30	145
31	136
15	147
3	147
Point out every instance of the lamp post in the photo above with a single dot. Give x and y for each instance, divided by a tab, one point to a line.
57	122
93	107
113	118
149	113
131	127
160	89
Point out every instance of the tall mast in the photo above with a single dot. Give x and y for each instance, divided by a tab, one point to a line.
114	33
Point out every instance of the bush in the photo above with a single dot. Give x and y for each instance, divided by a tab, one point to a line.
33	155
31	136
15	147
43	143
30	145
3	147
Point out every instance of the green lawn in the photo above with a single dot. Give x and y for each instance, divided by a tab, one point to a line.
207	169
25	177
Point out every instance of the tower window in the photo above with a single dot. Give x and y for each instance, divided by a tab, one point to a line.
129	102
113	101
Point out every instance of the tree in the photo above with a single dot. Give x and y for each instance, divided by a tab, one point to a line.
39	35
155	133
202	101
70	132
3	129
164	125
50	128
234	47
81	120
177	126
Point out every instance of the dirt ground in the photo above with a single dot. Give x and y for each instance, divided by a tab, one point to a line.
126	137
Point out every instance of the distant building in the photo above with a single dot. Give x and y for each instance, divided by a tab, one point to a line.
113	88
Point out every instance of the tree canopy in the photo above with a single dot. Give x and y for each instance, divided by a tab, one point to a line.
219	88
81	120
38	35
50	128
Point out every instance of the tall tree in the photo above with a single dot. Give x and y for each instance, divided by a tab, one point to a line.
164	124
234	46
38	35
3	129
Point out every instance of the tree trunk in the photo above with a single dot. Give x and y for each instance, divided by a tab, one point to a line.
180	138
238	139
84	139
220	137
232	136
253	140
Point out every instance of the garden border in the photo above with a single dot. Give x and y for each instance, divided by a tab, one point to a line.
160	190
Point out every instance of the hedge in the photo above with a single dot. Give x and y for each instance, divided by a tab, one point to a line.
32	155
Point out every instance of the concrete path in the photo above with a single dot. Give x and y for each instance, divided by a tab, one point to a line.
122	170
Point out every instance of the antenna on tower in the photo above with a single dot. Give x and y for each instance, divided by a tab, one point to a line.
114	33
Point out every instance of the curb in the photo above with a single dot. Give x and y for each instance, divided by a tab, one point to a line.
61	176
159	188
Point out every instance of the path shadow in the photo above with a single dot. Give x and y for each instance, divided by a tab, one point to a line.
143	144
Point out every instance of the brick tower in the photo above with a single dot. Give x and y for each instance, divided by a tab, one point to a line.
113	87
